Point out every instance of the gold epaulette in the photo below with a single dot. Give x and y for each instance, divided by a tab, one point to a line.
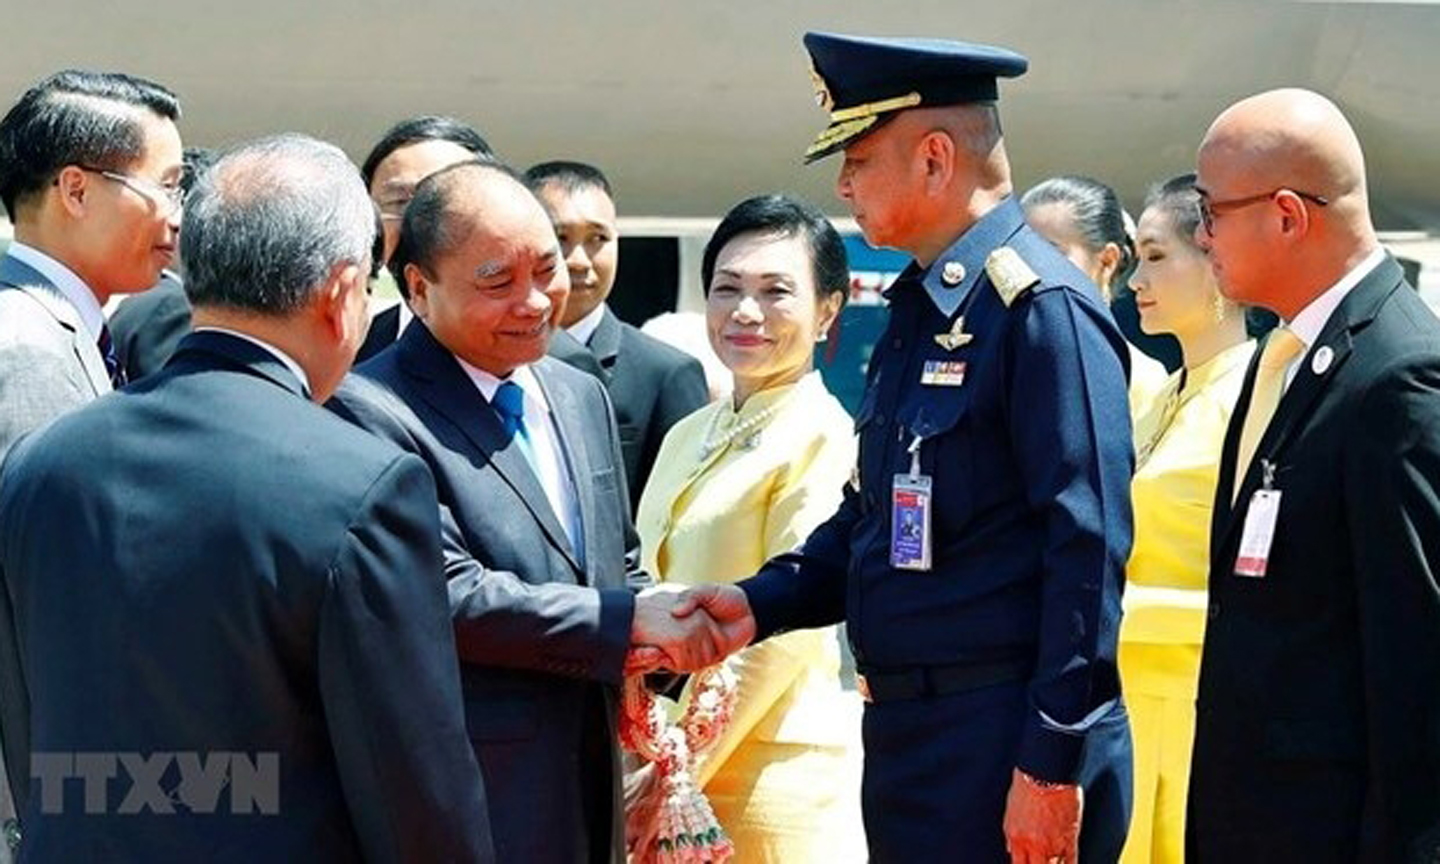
1009	273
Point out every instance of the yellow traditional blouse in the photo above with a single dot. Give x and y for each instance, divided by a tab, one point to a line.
1178	443
1147	378
729	491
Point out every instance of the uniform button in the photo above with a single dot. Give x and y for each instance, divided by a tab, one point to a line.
898	343
1214	610
879	418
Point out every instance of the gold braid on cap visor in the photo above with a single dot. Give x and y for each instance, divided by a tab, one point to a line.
849	122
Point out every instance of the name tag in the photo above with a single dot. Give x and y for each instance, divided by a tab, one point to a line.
1258	534
943	373
910	522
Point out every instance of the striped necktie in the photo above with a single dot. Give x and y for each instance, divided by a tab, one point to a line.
112	362
1280	350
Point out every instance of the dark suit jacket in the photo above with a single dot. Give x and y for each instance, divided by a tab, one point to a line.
652	386
230	569
148	327
385	329
542	638
1318	728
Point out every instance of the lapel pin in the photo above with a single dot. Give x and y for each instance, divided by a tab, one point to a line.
1324	355
956	337
953	273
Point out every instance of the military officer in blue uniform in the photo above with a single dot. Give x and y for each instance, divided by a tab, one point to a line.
977	557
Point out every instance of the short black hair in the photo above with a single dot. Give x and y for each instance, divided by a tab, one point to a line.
569	176
75	117
1179	199
427	230
784	216
429	127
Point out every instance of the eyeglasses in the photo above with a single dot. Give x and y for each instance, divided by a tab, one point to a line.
1210	209
171	198
393	210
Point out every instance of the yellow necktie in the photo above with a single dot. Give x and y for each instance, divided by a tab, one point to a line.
1282	347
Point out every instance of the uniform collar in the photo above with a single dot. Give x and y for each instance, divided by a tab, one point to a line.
966	257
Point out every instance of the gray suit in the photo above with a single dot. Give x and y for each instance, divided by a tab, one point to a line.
50	361
542	635
49	365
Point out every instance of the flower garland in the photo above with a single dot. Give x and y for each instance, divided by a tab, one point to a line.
682	828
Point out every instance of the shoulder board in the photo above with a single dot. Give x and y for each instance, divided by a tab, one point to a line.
1009	273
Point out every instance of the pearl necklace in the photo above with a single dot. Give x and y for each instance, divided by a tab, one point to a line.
746	434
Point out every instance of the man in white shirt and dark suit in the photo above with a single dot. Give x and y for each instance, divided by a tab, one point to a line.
1318	717
541	556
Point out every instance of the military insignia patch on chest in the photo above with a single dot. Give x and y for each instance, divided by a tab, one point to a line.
1009	273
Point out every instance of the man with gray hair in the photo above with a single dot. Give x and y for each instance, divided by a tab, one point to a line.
230	638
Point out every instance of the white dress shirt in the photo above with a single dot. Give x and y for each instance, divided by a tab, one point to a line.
64	279
1311	320
583	329
554	474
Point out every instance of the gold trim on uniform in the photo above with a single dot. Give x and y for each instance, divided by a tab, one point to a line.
909	100
1009	273
840	133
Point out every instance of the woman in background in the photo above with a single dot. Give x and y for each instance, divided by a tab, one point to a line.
747	478
1178	445
1083	218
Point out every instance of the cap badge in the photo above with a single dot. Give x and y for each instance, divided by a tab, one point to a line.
822	90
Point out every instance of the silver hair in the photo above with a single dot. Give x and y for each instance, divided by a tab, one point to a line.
268	223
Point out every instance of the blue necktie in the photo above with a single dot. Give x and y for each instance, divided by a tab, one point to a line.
509	403
112	361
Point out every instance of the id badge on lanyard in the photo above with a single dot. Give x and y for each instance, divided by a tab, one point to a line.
1259	531
910	500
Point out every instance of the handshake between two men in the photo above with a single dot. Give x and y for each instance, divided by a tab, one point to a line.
687	630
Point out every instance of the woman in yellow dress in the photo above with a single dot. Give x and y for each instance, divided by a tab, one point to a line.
747	478
1084	220
1178	445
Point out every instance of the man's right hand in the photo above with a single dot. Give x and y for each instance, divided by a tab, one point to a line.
659	638
728	606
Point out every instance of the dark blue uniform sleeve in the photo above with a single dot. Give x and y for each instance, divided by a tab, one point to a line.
806	588
1069	421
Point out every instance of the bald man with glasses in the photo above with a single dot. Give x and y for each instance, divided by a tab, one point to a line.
1318	715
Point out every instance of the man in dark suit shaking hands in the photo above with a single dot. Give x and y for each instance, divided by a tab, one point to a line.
1318	722
539	549
230	638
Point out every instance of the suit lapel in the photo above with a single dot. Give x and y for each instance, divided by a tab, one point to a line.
23	277
566	411
1308	388
605	341
448	391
